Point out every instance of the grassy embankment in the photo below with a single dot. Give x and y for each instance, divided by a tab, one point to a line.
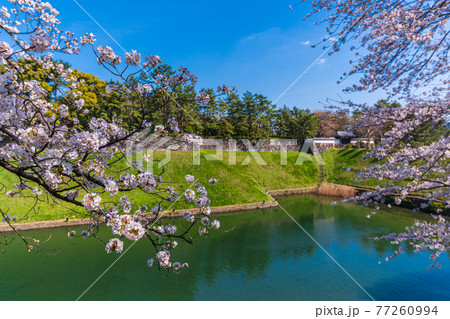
336	160
235	182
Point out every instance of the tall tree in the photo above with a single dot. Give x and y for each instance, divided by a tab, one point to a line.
331	122
250	115
172	97
213	117
296	123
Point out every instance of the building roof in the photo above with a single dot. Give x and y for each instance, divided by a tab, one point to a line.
364	140
345	134
326	140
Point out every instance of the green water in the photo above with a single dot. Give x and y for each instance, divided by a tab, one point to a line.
264	256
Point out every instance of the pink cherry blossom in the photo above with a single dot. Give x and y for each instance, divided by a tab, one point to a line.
69	156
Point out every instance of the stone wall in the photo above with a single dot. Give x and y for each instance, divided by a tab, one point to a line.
322	147
166	214
238	145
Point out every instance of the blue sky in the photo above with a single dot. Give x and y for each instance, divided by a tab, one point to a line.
260	46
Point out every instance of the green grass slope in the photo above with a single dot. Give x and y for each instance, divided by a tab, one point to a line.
336	162
235	182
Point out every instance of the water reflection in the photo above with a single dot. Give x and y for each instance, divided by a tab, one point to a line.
265	257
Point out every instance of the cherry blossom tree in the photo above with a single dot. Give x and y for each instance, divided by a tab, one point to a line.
54	160
400	47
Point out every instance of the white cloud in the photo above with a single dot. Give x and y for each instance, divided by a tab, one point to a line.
262	36
305	42
321	61
332	39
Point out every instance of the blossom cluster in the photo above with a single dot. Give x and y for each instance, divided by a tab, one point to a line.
203	98
402	48
423	236
133	58
67	154
106	54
